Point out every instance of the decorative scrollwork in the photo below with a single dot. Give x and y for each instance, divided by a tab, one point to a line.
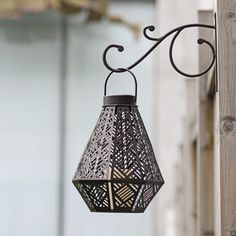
176	33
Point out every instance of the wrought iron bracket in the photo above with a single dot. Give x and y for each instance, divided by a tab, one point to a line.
175	33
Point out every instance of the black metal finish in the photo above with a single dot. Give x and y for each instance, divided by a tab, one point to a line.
119	100
216	69
176	33
118	171
123	70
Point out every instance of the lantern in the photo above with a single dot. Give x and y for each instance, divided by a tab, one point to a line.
118	171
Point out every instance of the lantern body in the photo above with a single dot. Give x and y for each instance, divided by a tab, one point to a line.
118	171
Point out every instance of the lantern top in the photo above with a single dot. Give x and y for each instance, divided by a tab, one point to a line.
119	100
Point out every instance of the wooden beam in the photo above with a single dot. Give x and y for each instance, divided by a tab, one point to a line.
211	83
205	167
226	28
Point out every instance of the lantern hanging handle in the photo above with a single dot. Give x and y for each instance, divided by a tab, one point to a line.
123	69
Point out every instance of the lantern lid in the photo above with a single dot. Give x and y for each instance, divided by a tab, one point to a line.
119	100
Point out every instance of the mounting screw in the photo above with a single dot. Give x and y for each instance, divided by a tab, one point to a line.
230	15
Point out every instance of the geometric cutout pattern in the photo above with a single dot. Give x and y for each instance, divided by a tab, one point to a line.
118	171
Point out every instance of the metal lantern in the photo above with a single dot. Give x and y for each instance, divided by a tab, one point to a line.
118	171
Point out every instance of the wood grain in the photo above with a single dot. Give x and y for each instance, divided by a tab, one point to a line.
226	27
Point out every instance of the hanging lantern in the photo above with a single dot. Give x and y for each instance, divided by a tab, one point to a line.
118	171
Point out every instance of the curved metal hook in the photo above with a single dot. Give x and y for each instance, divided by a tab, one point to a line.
150	28
177	31
200	41
119	48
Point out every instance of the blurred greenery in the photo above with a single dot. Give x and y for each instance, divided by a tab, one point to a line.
97	10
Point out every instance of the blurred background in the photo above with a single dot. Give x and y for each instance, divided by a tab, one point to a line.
51	91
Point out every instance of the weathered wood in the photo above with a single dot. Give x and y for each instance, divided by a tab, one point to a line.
217	205
189	206
226	25
190	158
211	83
205	167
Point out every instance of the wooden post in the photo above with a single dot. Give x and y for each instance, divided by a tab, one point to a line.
205	166
226	100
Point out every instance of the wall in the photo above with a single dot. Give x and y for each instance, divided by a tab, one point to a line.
84	106
31	122
29	82
174	211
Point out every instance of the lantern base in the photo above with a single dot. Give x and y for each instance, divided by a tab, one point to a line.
118	196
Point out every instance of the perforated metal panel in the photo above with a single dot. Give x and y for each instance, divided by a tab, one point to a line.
118	171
